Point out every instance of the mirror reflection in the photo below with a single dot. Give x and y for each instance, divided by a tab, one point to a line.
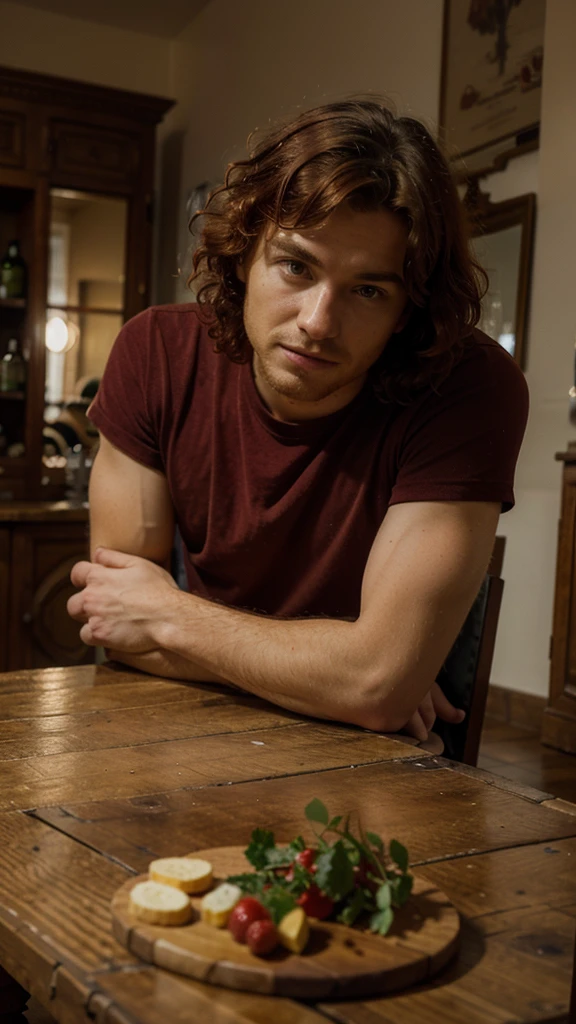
86	280
502	243
499	254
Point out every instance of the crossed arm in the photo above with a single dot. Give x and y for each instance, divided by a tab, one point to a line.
424	571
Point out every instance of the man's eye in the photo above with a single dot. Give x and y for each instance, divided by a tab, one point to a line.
294	267
369	291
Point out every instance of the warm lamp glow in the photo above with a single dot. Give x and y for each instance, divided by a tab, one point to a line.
60	336
56	334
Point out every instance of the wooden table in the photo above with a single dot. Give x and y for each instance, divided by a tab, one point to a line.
104	769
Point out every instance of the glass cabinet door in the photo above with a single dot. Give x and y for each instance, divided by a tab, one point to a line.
85	310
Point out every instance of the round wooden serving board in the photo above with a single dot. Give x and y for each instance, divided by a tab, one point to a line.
339	962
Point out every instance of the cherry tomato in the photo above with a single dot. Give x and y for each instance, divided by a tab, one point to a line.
306	858
315	903
262	937
245	913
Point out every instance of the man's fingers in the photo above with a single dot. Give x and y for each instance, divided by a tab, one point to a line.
87	637
427	712
113	559
79	573
75	606
415	726
444	709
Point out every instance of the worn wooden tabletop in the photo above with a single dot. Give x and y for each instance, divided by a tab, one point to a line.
104	769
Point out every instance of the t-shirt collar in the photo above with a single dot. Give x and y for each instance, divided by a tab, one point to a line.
303	431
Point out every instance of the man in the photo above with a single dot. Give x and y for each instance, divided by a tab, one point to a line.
332	437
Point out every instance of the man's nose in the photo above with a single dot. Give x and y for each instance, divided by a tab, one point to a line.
319	316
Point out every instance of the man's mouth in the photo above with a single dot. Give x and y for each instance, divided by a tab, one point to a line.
302	358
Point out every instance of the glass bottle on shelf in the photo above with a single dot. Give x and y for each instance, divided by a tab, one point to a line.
12	369
13	274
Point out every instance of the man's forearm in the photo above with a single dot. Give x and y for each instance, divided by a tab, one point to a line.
312	666
168	665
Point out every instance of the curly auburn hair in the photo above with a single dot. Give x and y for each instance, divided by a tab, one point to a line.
355	150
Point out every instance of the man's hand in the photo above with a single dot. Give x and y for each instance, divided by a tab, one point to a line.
120	600
435	705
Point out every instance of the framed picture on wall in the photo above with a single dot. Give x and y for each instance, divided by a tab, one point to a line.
491	80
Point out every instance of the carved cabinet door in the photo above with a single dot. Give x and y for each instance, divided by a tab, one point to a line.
41	633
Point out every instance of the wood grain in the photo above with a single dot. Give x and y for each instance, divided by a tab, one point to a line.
5	548
41	512
120	727
115	734
192	763
56	938
502	856
158	997
517	926
338	961
438	812
502	980
55	895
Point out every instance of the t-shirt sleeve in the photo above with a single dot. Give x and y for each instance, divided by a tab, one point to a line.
127	407
462	442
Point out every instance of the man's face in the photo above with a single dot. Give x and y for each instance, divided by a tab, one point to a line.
320	305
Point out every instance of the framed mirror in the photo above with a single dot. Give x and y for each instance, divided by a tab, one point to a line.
502	240
85	308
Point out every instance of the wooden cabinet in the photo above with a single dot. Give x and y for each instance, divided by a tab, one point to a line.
65	142
69	152
90	156
12	136
559	726
39	544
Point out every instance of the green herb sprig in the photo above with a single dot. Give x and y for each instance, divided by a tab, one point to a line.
355	871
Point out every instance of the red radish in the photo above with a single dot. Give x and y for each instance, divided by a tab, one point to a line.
262	937
306	858
245	913
315	903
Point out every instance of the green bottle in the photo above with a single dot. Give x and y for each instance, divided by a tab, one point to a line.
13	274
12	368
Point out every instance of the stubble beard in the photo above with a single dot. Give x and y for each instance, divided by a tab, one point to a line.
290	385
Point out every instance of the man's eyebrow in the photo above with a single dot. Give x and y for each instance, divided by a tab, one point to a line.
299	252
294	249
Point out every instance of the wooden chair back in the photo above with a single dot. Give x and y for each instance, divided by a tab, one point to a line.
465	675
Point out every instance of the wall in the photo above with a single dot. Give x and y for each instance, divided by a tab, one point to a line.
52	44
521	657
238	66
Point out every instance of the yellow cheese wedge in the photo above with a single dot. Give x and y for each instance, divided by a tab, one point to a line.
190	874
160	904
217	905
294	930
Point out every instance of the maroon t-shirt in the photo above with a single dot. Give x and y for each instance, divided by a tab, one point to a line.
280	517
